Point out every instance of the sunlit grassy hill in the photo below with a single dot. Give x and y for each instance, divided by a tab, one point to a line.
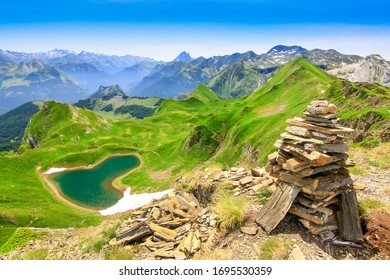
180	136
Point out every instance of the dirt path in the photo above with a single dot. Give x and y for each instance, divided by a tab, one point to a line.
273	110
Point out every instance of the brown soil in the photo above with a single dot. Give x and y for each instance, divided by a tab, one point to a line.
378	232
160	175
273	111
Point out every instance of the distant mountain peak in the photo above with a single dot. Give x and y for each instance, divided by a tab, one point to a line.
204	94
58	53
283	49
109	92
183	57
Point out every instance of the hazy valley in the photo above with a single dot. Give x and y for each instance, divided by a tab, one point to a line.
228	115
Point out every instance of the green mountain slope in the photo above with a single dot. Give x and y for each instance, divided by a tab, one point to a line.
112	102
59	124
204	94
364	107
180	136
14	123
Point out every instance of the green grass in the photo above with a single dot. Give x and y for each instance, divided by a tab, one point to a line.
96	244
119	253
369	204
264	195
6	232
274	248
367	158
18	239
230	210
180	136
38	254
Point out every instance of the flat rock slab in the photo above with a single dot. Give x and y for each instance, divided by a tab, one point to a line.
277	207
246	180
249	230
296	254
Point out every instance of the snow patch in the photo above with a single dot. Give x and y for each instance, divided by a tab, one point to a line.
130	202
54	170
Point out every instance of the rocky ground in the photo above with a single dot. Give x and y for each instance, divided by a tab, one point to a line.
201	237
375	185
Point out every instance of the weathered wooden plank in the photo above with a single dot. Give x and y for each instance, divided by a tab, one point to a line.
327	148
299	210
301	139
278	205
349	221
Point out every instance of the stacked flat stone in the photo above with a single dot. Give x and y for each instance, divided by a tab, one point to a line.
314	184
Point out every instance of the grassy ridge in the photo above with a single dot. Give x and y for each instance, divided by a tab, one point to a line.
13	125
181	136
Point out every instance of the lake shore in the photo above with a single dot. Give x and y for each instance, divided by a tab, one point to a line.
133	201
116	183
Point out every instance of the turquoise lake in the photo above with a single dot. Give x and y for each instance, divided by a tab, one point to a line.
92	188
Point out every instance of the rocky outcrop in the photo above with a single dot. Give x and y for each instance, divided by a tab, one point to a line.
174	228
372	69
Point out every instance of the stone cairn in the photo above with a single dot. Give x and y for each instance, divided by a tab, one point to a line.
312	180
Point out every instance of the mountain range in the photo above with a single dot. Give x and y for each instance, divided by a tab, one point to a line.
68	76
28	81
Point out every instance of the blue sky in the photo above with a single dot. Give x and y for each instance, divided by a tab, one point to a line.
162	29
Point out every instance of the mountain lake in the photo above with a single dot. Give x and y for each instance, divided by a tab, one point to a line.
92	187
